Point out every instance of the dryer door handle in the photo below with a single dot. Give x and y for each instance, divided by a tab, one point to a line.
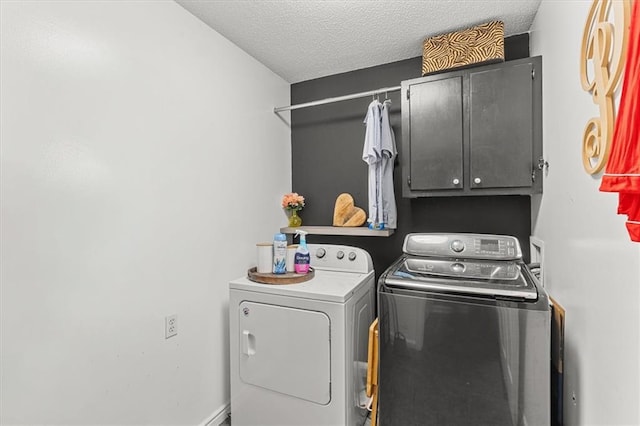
248	343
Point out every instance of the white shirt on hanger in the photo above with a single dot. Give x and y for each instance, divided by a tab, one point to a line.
372	155
388	155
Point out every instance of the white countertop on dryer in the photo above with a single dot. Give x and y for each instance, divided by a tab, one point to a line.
331	286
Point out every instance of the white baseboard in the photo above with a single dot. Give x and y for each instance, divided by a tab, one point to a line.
218	417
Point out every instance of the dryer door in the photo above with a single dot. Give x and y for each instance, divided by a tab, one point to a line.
286	350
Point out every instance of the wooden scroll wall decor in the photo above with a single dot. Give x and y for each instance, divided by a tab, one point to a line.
604	45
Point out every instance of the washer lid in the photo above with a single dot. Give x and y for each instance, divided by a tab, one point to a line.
332	286
481	277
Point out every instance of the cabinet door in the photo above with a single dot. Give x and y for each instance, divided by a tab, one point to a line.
436	131
501	127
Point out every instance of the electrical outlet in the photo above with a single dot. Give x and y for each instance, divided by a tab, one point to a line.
170	326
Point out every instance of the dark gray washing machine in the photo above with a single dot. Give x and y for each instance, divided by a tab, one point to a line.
464	335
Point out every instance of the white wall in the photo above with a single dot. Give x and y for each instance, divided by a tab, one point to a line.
592	268
141	162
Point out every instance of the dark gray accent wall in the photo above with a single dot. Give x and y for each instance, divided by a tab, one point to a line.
327	144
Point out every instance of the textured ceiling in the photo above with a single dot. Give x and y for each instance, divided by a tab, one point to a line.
305	39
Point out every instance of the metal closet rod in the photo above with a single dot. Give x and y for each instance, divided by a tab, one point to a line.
338	99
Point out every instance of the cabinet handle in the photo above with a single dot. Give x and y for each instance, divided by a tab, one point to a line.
477	181
456	181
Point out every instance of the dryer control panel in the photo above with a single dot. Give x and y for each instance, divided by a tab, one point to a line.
469	246
340	258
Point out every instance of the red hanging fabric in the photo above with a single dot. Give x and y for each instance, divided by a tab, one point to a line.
622	172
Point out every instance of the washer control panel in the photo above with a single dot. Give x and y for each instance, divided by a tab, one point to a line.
340	258
471	246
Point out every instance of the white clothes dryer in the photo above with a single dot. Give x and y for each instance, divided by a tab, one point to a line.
299	351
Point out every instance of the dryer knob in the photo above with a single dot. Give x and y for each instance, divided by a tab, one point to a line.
352	256
340	254
320	253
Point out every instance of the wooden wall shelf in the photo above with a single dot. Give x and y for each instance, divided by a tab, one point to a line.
360	231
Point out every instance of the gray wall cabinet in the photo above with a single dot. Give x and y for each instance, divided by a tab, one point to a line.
476	131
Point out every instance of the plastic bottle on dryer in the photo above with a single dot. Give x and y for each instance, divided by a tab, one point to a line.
280	254
302	259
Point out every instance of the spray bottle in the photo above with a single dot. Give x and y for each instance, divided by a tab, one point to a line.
302	258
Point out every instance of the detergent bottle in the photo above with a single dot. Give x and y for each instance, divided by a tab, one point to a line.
280	254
